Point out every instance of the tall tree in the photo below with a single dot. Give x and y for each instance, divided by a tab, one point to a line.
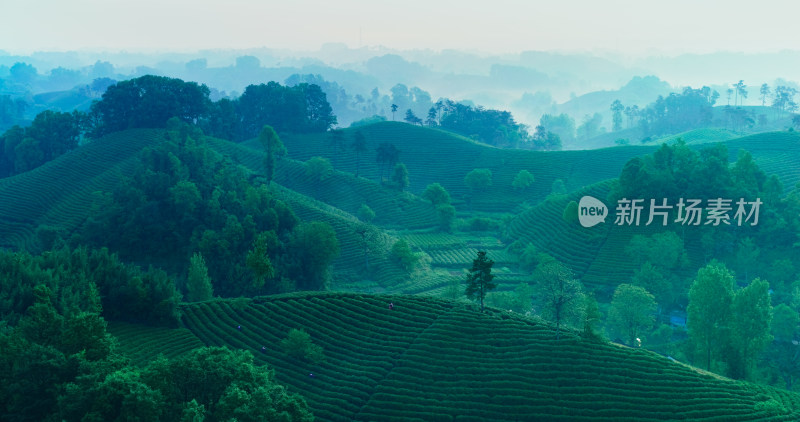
708	312
274	148
360	147
784	353
431	120
388	155
318	169
315	246
479	278
616	109
400	176
741	91
258	258
751	317
198	283
765	91
394	109
558	293
631	311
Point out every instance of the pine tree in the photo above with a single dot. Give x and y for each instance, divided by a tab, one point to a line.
198	284
479	279
274	147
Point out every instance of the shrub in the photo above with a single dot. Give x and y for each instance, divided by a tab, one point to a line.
297	344
522	180
365	213
478	179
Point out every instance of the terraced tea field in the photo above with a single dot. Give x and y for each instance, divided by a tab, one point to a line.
341	190
433	360
61	192
143	344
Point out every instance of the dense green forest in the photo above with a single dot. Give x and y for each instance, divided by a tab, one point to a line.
165	252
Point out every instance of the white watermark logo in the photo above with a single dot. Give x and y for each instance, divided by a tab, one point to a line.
689	212
591	211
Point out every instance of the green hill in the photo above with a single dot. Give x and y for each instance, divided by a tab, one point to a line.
597	254
62	194
433	155
775	152
341	190
699	136
434	360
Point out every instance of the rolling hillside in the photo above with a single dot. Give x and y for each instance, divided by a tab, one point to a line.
62	193
433	155
434	360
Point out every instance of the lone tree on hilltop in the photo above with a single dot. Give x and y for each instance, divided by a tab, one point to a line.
479	279
394	109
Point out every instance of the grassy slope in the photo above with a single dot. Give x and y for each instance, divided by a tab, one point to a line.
429	359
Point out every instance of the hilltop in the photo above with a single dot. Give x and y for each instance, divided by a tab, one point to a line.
430	359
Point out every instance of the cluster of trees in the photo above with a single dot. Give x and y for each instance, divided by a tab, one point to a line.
150	101
728	325
86	280
60	363
440	199
12	111
677	171
50	135
553	130
183	199
692	109
493	127
677	113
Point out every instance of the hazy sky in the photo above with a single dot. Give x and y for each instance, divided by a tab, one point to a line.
629	26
